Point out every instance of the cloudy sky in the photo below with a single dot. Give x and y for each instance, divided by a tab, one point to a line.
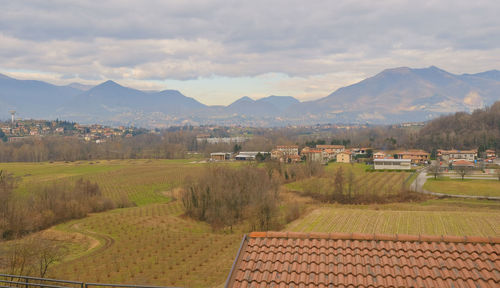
218	51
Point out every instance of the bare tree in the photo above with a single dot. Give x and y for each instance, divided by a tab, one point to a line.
47	253
7	185
462	171
350	184
339	184
435	169
33	257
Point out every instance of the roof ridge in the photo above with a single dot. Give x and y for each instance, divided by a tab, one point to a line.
377	237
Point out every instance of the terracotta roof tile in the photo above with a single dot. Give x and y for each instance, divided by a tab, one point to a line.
286	259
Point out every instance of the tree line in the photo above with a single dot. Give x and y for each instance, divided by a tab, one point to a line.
480	129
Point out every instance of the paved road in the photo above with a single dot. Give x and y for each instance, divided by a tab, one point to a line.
418	186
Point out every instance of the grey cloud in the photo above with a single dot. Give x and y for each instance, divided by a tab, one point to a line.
190	39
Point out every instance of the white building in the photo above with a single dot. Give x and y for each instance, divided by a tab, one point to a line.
249	155
392	164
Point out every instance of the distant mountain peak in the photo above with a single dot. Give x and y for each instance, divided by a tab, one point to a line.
109	83
245	98
242	100
2	76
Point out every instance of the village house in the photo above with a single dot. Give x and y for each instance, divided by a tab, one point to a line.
288	149
344	157
330	151
416	156
462	163
313	155
335	148
450	155
490	153
286	153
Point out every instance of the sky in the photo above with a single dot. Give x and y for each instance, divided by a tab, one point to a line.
218	51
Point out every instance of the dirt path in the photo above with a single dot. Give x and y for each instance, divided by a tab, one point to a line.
100	242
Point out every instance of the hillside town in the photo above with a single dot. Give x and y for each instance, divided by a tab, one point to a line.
18	130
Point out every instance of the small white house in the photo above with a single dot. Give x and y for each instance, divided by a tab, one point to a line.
392	164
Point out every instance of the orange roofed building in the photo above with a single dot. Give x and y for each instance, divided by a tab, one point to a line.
314	155
290	259
330	151
344	157
416	156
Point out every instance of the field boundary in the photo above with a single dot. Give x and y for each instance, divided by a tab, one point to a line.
422	178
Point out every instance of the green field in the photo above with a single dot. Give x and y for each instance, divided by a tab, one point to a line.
155	244
141	181
464	187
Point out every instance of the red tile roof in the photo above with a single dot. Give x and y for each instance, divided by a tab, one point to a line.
330	146
463	163
288	259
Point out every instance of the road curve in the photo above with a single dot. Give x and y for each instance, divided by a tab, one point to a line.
418	186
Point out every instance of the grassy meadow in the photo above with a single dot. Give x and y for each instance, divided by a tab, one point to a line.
141	181
154	243
472	187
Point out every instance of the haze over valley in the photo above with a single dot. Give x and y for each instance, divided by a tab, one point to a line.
391	96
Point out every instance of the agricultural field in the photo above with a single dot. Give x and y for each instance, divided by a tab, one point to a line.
463	187
152	244
388	221
140	181
155	244
380	183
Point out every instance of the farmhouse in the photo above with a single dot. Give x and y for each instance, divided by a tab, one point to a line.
220	156
344	157
392	164
290	259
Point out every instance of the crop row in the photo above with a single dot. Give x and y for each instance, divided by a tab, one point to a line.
398	222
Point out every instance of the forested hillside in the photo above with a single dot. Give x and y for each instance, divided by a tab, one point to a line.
480	129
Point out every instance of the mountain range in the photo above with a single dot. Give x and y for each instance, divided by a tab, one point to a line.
394	95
